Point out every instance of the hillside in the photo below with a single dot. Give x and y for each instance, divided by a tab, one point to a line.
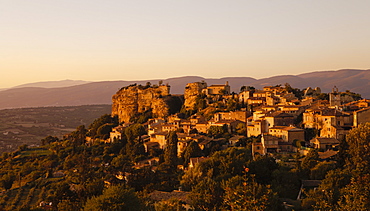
101	92
30	125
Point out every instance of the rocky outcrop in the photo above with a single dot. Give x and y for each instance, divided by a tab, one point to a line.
132	100
192	91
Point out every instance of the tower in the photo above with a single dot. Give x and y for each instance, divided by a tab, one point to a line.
334	97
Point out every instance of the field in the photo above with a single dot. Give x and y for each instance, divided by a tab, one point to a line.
30	125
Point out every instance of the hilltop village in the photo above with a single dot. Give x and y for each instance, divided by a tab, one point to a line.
280	118
278	148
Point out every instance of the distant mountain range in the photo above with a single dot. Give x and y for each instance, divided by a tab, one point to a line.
54	84
73	93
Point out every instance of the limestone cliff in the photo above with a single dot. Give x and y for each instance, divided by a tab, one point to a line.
192	90
133	99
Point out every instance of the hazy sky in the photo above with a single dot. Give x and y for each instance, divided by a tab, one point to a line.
43	40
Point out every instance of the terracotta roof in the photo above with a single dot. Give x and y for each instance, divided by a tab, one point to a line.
151	143
361	110
327	154
323	140
278	127
278	114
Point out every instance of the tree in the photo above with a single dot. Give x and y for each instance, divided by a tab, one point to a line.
263	167
359	148
322	96
246	194
105	119
222	92
192	150
243	88
49	139
7	181
114	198
171	204
206	195
297	92
134	131
310	161
285	182
241	129
103	131
170	152
200	103
232	105
321	169
220	166
356	194
330	191
79	135
217	131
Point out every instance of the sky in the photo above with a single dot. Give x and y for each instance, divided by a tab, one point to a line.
43	40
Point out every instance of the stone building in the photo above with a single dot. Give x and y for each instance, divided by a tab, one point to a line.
217	89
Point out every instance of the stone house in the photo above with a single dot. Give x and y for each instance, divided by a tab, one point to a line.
268	108
235	139
217	89
117	133
256	101
315	118
160	138
286	147
274	89
195	119
257	148
181	146
324	143
361	116
331	123
272	100
279	119
202	127
270	144
245	95
231	124
256	128
294	110
155	125
166	127
231	115
151	145
263	94
287	134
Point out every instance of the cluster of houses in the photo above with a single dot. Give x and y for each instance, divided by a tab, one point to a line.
274	114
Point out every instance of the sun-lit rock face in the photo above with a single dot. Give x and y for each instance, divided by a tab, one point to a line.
133	99
192	90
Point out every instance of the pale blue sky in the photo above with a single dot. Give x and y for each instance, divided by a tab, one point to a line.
43	40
